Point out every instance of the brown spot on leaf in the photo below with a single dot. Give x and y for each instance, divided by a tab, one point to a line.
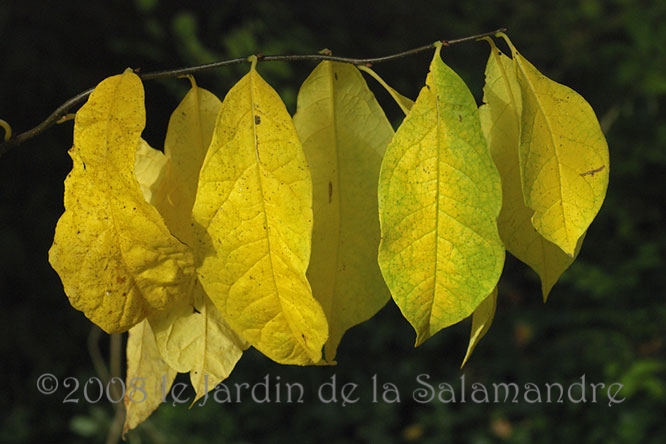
593	172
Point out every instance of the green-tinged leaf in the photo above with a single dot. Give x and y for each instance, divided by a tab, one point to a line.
114	254
188	137
482	319
148	379
344	134
563	157
253	226
501	122
439	197
193	337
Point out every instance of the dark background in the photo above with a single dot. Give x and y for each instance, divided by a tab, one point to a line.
605	319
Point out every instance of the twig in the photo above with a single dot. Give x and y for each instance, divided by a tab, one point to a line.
61	112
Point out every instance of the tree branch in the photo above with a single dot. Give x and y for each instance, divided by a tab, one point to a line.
60	113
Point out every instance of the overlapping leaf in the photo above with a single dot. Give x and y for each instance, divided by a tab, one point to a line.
482	319
116	258
564	162
344	134
253	226
439	197
192	337
149	167
501	121
148	376
188	137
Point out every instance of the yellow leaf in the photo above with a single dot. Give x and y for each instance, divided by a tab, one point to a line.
114	254
344	134
195	338
253	226
148	379
188	137
501	122
439	197
563	156
482	319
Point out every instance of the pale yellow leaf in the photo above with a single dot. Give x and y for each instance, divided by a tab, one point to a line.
482	319
193	337
115	256
188	136
344	134
149	166
253	226
148	379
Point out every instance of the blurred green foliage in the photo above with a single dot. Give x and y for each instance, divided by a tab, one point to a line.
604	320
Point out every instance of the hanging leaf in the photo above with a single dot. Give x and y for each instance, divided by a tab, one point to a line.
192	337
188	136
195	338
344	133
148	376
403	102
116	258
439	197
253	226
501	122
482	319
563	157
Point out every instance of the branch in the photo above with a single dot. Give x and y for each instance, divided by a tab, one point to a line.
60	113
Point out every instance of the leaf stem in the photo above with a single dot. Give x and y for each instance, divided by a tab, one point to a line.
61	112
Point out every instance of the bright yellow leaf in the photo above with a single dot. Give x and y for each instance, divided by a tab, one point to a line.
148	378
188	137
253	226
563	157
114	254
344	133
501	122
439	197
194	338
482	319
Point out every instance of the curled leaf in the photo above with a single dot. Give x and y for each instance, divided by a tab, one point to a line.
115	256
